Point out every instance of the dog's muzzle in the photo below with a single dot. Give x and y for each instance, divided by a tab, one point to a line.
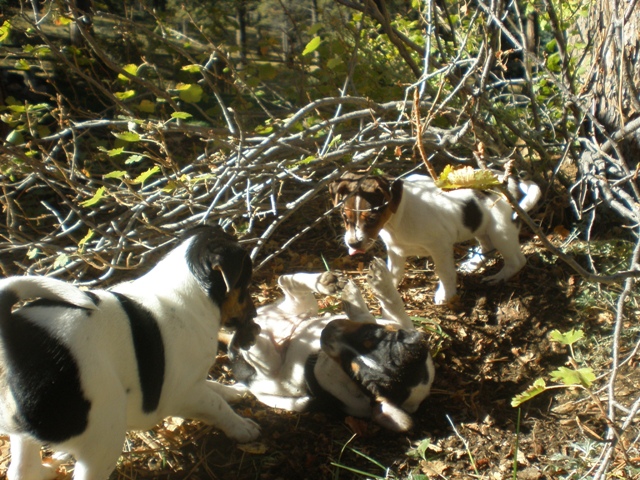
245	330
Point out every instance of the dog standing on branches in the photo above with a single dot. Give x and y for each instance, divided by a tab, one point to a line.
416	218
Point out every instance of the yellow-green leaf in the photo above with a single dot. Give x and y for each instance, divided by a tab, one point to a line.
131	69
181	115
95	199
537	388
5	31
127	136
126	94
115	152
466	177
312	46
567	338
147	106
568	376
193	68
22	64
85	239
115	174
144	176
190	92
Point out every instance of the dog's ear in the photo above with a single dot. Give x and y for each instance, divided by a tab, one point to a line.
338	189
231	269
390	416
396	194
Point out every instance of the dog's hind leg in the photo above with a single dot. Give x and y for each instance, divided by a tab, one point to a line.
477	255
26	461
380	281
509	247
298	291
445	268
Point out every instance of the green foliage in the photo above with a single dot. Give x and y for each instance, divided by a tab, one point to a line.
565	377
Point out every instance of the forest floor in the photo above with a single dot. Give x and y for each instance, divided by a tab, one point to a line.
487	349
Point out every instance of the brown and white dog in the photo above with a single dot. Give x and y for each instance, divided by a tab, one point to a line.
351	363
415	218
80	368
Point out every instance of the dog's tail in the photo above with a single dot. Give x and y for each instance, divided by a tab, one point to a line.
16	289
525	191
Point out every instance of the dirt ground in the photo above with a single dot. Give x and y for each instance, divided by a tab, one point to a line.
489	348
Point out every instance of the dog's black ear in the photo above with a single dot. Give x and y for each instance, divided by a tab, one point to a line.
232	267
396	194
338	189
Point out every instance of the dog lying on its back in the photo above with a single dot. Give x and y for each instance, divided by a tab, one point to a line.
80	368
355	364
415	218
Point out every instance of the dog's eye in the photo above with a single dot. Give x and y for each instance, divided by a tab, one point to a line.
371	220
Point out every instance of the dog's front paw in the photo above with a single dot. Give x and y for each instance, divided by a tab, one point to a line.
230	393
330	283
246	430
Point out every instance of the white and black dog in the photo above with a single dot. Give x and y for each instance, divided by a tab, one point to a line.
351	363
416	218
80	368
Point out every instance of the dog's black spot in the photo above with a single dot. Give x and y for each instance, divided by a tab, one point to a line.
43	377
471	215
149	348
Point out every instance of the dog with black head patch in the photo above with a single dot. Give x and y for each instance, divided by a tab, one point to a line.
79	368
351	363
414	217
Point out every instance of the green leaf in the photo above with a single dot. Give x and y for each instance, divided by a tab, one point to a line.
144	176
115	174
134	159
131	69
537	388
181	115
5	31
334	62
32	253
306	161
95	199
22	64
312	46
568	338
15	137
115	152
466	177
127	136
85	239
190	92
568	376
194	68
126	94
61	261
313	29
147	106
